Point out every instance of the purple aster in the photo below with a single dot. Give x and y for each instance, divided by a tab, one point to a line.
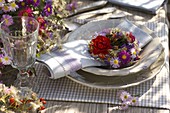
24	3
124	57
72	6
47	10
28	1
130	45
119	34
35	3
7	20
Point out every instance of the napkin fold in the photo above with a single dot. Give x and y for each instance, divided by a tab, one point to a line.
73	56
148	6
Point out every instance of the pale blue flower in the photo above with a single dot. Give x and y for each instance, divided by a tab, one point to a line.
134	100
124	106
125	96
114	62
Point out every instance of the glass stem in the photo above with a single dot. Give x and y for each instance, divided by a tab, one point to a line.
24	79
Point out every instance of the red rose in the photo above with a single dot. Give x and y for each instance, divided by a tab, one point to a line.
100	45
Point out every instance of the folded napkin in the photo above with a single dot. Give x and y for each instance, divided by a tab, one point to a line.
148	6
73	56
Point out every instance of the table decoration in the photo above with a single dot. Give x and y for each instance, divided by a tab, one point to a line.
12	102
116	48
148	56
75	55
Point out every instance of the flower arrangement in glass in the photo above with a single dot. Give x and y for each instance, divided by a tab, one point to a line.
116	48
49	14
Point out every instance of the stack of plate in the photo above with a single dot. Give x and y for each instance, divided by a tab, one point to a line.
150	63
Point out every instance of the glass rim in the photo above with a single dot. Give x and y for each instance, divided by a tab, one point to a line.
36	30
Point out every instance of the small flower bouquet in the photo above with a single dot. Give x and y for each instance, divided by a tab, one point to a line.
116	48
12	102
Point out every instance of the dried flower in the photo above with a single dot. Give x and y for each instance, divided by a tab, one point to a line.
11	101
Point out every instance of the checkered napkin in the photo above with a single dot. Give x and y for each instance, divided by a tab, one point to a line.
152	93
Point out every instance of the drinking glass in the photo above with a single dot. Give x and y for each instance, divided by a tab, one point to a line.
19	37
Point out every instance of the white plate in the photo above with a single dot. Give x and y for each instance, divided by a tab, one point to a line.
144	35
118	82
149	55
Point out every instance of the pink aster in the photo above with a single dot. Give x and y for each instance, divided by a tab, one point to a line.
7	20
6	60
6	8
26	12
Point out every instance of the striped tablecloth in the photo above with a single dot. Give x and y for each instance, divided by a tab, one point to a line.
152	93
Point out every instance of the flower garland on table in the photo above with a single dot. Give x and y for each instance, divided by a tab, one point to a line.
12	102
115	47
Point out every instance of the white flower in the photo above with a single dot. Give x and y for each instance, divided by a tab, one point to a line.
133	52
35	106
11	0
14	91
13	6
